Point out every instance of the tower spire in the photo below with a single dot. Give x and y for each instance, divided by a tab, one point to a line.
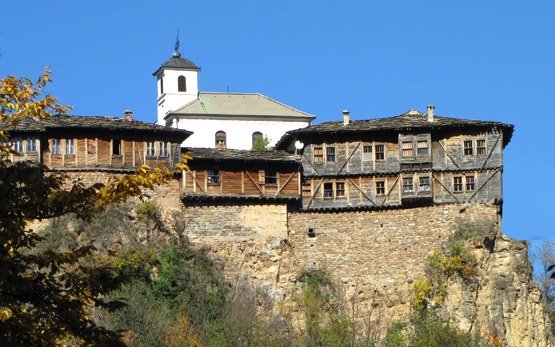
176	47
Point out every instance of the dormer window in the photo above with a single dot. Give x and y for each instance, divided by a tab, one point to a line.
220	140
181	84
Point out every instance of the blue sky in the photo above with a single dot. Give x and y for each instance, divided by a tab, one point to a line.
491	60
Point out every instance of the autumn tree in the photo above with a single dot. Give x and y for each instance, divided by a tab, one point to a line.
47	297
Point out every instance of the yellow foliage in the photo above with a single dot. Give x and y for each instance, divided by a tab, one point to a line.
494	340
422	290
181	334
5	313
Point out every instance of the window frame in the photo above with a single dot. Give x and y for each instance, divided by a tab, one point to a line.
481	150
318	154
31	144
421	186
330	154
150	149
468	151
367	152
116	143
17	144
56	145
408	185
69	147
340	189
213	177
380	153
470	183
328	190
458	186
163	150
407	149
269	179
181	84
220	139
380	188
419	149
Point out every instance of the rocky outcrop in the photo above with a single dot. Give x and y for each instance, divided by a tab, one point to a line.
501	299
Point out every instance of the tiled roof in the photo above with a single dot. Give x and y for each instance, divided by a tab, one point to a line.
237	104
409	121
177	62
92	122
214	154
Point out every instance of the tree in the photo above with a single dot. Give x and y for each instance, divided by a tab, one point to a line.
261	144
545	256
47	297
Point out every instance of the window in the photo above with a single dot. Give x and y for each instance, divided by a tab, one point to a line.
328	190
150	151
407	185
330	153
339	189
422	147
257	137
318	154
468	148
163	150
367	152
56	147
407	150
18	144
380	152
116	147
424	184
161	86
380	188
213	177
70	146
470	185
481	147
220	139
31	145
181	84
270	177
457	184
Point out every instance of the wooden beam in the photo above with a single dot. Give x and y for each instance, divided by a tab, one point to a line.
360	190
315	192
444	187
242	182
448	156
484	184
313	167
389	193
491	151
283	186
253	181
349	158
196	183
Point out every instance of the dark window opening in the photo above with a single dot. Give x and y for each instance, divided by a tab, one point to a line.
181	84
468	148
116	147
330	153
220	139
256	137
161	86
213	177
328	190
270	177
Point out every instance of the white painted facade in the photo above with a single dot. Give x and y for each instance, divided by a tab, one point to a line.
239	119
238	131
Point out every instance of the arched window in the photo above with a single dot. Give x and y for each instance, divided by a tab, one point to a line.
220	139
256	136
181	84
258	141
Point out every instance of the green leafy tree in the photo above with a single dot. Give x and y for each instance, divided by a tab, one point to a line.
47	297
261	143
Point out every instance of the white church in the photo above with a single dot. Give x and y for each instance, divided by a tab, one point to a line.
219	120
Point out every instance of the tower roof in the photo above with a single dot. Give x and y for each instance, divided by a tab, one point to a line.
177	62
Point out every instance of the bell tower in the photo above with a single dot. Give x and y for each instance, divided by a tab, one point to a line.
177	84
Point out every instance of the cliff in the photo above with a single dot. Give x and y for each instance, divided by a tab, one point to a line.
502	299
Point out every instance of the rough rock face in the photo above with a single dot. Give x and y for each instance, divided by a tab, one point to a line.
502	300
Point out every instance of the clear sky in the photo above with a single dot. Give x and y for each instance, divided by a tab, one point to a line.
489	60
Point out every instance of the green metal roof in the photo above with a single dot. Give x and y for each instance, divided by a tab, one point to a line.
239	104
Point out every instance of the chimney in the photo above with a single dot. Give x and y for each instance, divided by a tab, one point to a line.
128	115
346	117
431	109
